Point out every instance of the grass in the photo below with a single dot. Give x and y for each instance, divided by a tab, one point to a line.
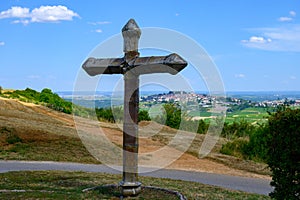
69	185
31	144
253	115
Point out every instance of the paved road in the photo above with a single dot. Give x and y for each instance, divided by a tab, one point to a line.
252	185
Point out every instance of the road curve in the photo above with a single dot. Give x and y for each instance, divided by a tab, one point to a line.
251	185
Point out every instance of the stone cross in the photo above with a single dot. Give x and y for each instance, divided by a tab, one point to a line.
132	66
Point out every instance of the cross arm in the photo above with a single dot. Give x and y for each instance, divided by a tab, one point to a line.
172	64
95	66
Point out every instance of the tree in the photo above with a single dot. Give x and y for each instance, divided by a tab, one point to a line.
173	115
0	90
284	153
45	95
144	116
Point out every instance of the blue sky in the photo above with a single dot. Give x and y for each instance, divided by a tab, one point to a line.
255	44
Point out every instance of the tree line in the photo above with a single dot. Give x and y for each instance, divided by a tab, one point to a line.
45	97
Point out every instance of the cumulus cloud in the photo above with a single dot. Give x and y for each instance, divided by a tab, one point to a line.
283	38
2	43
15	12
52	14
41	14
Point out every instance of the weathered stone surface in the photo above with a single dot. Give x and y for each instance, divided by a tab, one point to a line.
132	66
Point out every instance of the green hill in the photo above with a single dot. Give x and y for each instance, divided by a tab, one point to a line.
46	97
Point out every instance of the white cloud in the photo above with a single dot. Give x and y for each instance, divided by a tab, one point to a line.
260	40
288	19
98	31
99	23
41	14
24	22
2	43
239	76
15	12
52	14
285	19
283	38
293	77
293	13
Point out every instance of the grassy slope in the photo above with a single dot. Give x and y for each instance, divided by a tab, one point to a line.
30	132
69	185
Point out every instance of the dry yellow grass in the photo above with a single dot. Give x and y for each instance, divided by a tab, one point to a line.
49	135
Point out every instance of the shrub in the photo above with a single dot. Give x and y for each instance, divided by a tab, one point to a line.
13	138
284	153
144	116
237	129
257	148
236	148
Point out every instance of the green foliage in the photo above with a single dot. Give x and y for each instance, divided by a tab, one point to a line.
235	148
237	129
257	148
173	115
105	114
239	107
13	138
143	116
46	97
202	127
177	119
115	114
278	144
53	101
284	153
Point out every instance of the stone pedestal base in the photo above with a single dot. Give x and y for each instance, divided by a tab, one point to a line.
130	188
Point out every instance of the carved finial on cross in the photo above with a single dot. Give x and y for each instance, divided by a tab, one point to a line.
131	34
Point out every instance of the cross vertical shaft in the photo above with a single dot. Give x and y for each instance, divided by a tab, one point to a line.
130	185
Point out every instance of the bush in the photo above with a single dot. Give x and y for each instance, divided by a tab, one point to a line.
46	96
284	153
143	116
236	148
13	138
257	148
173	115
237	129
